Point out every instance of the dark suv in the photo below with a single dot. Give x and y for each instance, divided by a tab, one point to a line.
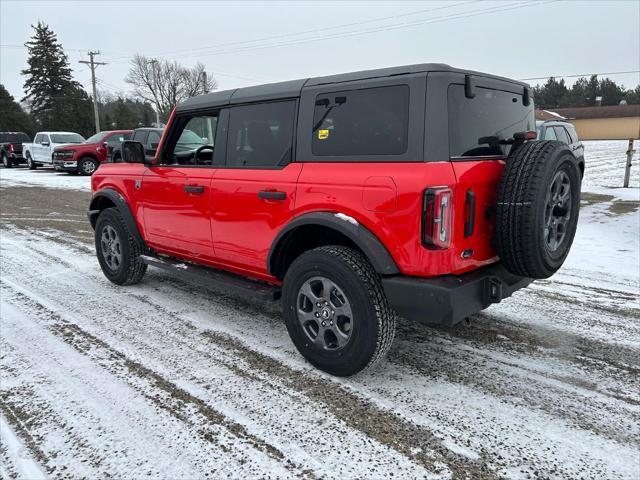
564	132
11	148
416	191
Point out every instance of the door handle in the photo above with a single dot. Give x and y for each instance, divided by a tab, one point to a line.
193	188
271	195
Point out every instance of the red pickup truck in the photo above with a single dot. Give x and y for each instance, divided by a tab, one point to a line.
85	158
417	191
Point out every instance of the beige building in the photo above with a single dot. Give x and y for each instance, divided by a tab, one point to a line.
614	122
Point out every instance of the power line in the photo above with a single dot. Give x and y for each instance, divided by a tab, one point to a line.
445	18
306	32
580	75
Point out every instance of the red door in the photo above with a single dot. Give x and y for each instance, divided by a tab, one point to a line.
253	196
176	210
248	209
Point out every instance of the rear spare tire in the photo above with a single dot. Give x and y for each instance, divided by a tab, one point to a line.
537	208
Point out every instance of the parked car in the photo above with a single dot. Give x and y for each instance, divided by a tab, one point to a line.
11	148
40	152
564	132
149	137
85	158
415	191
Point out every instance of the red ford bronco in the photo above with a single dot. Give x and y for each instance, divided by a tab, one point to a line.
416	191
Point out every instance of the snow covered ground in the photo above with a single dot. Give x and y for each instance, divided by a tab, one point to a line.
166	379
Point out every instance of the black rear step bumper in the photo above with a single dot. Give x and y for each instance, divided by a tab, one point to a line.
449	299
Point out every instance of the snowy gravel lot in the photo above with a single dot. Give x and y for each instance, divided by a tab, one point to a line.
169	380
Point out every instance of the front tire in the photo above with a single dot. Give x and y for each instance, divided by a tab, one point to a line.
87	166
6	161
117	249
30	163
335	310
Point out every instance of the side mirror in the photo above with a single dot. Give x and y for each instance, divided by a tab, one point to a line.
132	152
45	144
105	144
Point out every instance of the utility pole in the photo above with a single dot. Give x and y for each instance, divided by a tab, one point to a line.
153	63
627	166
93	64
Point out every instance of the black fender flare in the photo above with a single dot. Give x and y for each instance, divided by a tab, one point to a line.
120	203
364	239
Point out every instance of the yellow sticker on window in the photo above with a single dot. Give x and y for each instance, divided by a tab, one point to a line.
323	134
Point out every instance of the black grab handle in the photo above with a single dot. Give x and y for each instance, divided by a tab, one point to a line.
271	195
194	188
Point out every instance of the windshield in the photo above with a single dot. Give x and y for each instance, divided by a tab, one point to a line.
190	138
66	138
18	137
97	138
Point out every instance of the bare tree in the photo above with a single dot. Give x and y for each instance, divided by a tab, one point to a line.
164	84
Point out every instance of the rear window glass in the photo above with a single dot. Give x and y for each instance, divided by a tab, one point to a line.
561	133
14	138
371	121
479	126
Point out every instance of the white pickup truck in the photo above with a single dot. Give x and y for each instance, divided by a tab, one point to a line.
40	152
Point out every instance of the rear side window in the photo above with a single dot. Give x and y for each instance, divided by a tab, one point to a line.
370	121
561	133
154	139
549	134
573	135
483	125
261	135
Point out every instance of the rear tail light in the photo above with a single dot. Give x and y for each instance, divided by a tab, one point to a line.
436	217
11	147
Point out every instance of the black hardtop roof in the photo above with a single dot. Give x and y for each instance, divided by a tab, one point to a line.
292	88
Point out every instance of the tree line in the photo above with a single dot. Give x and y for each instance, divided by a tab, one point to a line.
54	100
583	93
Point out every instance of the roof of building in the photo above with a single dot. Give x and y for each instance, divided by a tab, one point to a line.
548	115
608	111
292	88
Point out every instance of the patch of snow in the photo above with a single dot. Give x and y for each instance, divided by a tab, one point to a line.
43	177
22	465
347	218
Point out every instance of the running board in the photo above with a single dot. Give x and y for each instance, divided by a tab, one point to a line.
216	279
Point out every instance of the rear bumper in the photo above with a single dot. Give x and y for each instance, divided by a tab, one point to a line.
449	299
17	158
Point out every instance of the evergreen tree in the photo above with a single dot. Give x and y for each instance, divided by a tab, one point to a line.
12	117
56	101
124	116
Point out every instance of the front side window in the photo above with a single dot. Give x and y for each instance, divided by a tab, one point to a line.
140	136
261	135
66	138
193	141
370	121
117	139
485	124
39	138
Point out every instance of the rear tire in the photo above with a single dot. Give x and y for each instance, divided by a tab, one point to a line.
6	161
30	163
335	310
538	208
117	249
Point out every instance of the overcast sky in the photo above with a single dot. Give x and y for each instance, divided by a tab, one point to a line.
259	42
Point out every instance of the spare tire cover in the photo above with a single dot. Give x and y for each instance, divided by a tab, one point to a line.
537	208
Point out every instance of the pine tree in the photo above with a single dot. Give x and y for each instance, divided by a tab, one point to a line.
56	100
12	117
124	116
